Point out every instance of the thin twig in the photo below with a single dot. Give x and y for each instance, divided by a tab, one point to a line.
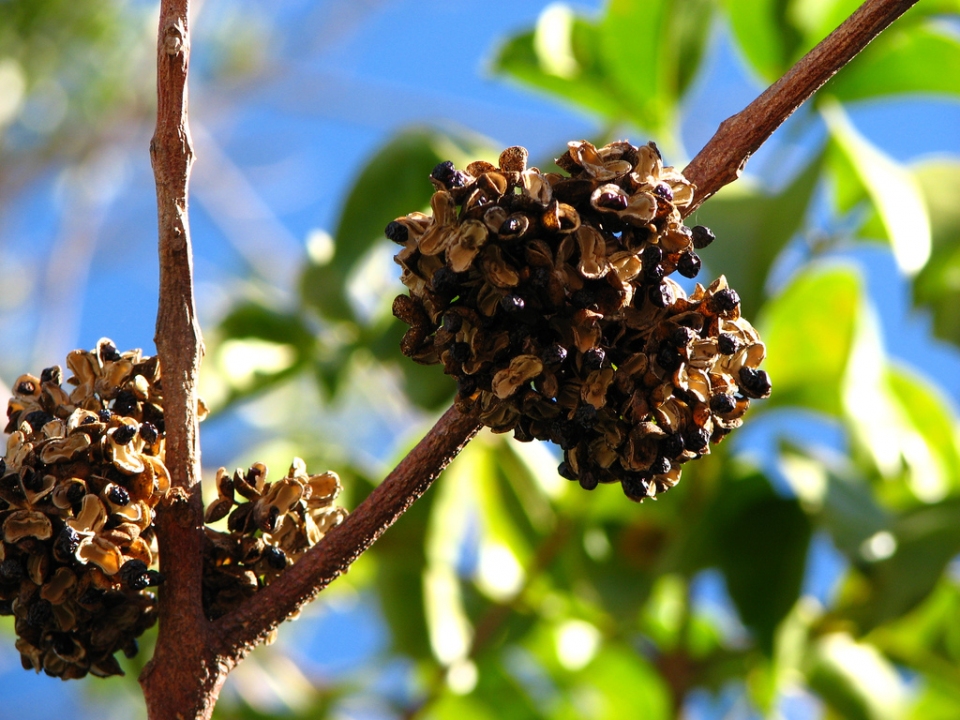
723	158
179	681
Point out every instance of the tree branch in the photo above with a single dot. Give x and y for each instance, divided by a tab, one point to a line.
179	680
723	158
239	632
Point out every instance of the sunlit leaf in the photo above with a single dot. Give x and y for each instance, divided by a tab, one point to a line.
762	35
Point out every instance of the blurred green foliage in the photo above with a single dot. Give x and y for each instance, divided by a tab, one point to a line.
516	595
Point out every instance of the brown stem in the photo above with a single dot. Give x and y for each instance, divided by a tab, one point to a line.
237	633
723	158
180	680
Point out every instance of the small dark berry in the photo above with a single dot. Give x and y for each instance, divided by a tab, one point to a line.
27	387
37	419
651	255
447	175
669	358
452	322
585	416
635	486
75	493
275	557
466	385
725	301
40	613
130	649
460	352
118	496
565	471
513	225
754	383
512	304
149	433
104	415
11	571
67	542
89	420
723	403
52	374
664	191
593	359
727	344
445	281
689	265
133	574
125	403
109	353
660	466
661	296
397	232
124	434
588	480
612	201
553	354
696	439
682	336
702	236
672	445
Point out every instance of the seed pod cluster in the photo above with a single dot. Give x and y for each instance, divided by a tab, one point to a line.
548	297
274	524
82	474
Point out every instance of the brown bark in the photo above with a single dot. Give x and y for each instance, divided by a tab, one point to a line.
193	656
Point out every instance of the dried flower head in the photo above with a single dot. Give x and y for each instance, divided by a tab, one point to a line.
547	296
82	474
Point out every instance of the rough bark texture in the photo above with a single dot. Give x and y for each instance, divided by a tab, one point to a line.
723	158
193	656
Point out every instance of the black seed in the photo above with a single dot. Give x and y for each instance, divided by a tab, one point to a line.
27	387
62	644
565	433
466	385
653	273
660	466
40	613
635	485
727	344
754	383
447	175
133	574
89	420
588	480
669	358
593	359
689	265
125	403
512	226
118	496
154	578
553	354
37	419
67	542
397	232
52	374
584	298
104	415
725	301
460	352
696	439
11	571
109	353
452	322
565	471
672	445
124	434
651	255
512	304
585	416
130	649
275	557
612	201
75	493
149	433
660	296
702	236
31	479
722	403
662	190
682	336
445	281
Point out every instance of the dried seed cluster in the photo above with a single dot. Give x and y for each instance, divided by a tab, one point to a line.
278	523
82	474
547	297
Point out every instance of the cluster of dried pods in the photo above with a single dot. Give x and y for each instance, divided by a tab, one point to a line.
277	524
82	474
547	297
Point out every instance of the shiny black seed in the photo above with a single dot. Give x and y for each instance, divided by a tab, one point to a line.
651	255
512	304
669	358
27	387
124	434
565	433
149	433
37	419
67	542
660	466
584	298
722	403
130	649
702	236
511	226
52	374
585	416
754	383
553	354
612	201
75	493
593	359
40	613
31	479
62	644
154	578
696	439
125	403
447	175
660	296
672	445
460	352
445	281
565	471
133	574
104	415
689	265
452	322
397	232
588	480
727	344
11	571
635	486
118	496
275	557
725	301
653	273
88	420
682	336
109	353
662	190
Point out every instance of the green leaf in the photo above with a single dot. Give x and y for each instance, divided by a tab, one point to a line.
754	227
854	679
908	58
628	686
762	35
938	284
892	191
809	331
